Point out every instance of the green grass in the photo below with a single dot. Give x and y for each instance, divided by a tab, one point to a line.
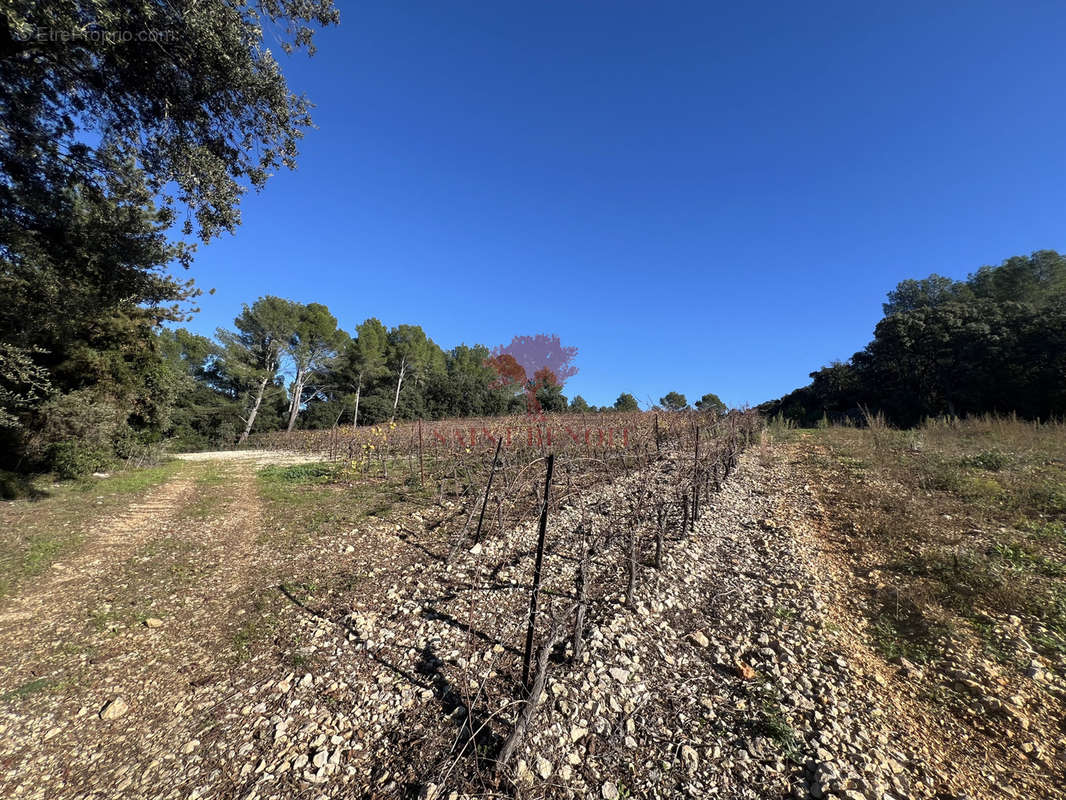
906	635
301	474
126	482
769	719
35	533
784	613
211	474
1043	530
306	500
212	492
28	689
991	460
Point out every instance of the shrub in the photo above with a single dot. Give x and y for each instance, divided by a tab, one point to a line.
79	417
75	459
939	475
978	489
1046	497
14	485
991	460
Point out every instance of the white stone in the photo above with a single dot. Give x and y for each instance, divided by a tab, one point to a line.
114	709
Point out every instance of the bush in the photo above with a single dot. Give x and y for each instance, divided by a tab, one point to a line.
14	485
69	422
939	475
991	460
75	459
982	490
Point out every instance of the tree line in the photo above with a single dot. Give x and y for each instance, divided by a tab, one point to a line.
993	343
110	178
126	383
287	365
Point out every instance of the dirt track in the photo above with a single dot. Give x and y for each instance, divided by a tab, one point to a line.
77	639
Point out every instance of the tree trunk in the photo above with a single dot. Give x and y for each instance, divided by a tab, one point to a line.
255	409
355	416
297	395
399	383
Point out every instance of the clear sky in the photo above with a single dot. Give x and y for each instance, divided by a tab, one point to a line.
700	197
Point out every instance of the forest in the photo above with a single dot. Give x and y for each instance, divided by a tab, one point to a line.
993	343
110	180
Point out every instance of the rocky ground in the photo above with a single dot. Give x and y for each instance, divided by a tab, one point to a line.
176	657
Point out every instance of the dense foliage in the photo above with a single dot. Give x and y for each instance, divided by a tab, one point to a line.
995	342
285	365
128	132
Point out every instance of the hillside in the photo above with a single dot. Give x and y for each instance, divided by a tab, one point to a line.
275	629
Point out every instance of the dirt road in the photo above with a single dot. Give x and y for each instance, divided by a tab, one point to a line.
141	617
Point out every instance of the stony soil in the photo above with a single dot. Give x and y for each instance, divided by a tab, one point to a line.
139	668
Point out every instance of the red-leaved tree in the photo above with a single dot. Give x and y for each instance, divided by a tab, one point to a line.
542	356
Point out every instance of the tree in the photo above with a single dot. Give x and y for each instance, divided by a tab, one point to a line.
105	140
93	271
579	405
412	354
534	354
252	354
711	402
314	343
23	384
364	360
626	402
994	343
208	400
467	388
546	392
674	401
965	359
156	100
88	251
1038	279
910	294
510	375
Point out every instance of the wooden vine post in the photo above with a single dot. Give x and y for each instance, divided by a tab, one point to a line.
488	488
421	468
535	591
695	481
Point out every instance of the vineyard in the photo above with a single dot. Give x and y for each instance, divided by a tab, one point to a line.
587	605
539	528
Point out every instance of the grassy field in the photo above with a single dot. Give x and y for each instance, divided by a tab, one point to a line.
959	524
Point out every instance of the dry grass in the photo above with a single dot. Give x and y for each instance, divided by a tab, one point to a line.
958	522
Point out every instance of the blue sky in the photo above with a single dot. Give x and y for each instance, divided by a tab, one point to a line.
698	198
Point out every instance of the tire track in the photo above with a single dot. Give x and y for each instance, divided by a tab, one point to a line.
107	543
